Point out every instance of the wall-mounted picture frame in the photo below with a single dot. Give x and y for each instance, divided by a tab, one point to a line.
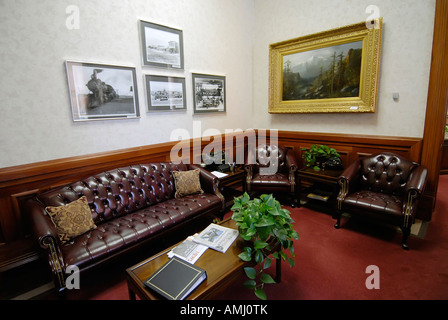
165	93
101	91
327	72
162	46
209	93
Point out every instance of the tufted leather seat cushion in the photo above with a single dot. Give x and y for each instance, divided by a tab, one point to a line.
275	179
373	202
124	231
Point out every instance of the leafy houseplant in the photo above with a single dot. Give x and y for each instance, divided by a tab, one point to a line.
263	222
318	154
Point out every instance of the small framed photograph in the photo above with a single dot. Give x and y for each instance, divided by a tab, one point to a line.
165	93
162	46
102	92
209	93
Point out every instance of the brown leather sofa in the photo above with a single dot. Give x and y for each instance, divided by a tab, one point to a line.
130	207
384	187
272	169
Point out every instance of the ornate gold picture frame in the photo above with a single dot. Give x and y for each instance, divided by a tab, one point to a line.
326	72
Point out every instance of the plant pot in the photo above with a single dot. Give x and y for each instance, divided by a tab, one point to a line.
320	162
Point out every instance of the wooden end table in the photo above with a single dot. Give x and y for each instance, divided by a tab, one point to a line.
326	178
222	269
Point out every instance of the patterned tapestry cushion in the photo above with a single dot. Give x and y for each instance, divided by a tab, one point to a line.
187	182
72	219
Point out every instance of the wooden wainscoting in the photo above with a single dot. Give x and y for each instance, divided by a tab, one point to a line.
351	147
19	183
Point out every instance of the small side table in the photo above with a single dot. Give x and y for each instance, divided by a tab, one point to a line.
232	185
324	185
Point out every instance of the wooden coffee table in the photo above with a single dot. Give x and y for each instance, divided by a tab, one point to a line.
222	269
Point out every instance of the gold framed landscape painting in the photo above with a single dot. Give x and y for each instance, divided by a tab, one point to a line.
327	72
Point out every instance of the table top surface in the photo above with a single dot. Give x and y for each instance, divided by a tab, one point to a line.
324	173
220	267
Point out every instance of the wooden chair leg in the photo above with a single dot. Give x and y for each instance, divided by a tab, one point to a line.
338	220
404	240
294	201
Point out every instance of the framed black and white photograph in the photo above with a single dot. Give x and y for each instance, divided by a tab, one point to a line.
165	93
209	93
162	46
102	92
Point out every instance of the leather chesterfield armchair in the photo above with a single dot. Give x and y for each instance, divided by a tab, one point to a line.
271	169
385	187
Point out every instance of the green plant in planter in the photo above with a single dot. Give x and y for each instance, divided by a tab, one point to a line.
318	153
263	222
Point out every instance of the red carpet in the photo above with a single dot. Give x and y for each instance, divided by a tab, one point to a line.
331	264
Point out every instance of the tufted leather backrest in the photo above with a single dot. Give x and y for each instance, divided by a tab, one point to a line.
265	154
119	191
386	173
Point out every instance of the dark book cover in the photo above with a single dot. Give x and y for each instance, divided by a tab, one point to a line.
176	279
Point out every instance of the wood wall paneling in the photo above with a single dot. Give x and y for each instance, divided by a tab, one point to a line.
444	161
436	110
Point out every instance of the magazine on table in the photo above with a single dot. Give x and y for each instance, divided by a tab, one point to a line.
188	250
217	237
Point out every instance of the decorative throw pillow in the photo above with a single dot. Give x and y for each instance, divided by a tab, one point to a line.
187	182
71	220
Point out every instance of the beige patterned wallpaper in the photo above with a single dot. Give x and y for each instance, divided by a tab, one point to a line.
35	42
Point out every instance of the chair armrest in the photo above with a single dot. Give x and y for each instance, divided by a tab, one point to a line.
414	189
347	181
291	160
350	175
352	171
417	180
249	168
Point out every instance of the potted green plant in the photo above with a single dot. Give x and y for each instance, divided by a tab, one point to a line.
317	155
264	223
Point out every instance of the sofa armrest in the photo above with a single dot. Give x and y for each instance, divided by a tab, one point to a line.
209	182
43	227
207	179
45	233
